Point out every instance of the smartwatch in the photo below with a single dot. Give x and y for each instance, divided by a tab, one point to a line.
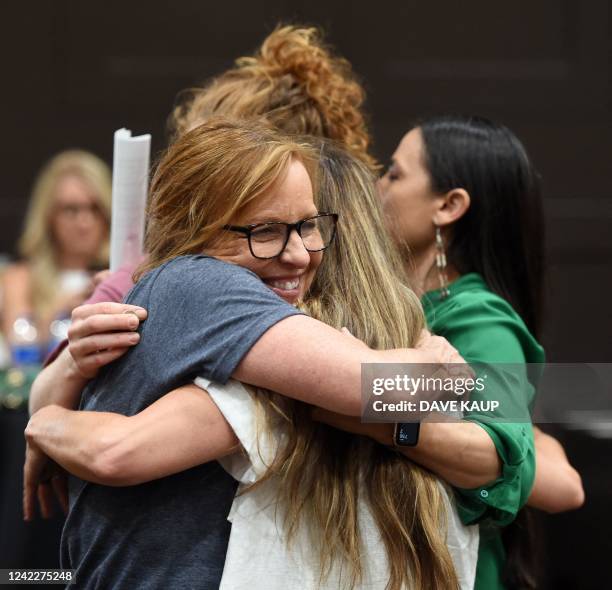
406	434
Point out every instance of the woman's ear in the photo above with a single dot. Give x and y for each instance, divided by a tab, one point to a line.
451	207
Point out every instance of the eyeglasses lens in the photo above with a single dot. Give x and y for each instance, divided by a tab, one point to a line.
268	240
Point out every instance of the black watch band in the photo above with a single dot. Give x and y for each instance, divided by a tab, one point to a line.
406	434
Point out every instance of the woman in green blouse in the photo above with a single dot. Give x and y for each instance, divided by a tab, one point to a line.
463	195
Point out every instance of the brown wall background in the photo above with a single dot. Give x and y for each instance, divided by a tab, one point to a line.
73	72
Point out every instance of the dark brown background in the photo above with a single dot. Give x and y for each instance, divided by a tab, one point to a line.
73	72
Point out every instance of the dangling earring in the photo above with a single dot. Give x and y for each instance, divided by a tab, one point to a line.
441	265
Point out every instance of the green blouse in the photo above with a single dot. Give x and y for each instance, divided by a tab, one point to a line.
484	328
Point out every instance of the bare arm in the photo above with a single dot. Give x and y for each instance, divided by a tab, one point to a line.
308	360
108	448
557	486
59	383
118	450
184	429
328	375
460	453
299	357
179	431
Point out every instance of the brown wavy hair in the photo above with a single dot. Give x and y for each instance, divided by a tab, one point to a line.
295	82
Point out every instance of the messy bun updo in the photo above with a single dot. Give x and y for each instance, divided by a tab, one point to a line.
293	81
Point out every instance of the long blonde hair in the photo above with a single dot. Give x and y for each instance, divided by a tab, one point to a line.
295	82
360	285
36	244
207	177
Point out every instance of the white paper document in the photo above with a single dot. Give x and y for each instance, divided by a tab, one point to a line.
130	185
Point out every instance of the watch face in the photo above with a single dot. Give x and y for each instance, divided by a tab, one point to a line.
407	434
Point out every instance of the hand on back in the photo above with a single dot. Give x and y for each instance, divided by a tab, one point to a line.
102	332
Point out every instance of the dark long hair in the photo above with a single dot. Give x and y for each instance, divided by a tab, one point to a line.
501	236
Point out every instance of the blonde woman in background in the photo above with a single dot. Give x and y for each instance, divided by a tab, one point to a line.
65	237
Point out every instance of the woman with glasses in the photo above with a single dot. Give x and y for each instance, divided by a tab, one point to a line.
65	238
212	320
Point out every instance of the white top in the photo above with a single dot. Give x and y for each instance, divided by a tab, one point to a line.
258	556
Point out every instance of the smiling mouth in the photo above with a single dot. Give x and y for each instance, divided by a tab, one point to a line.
284	284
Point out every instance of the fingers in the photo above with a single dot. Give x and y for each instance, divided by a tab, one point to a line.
461	370
97	323
102	326
102	332
42	482
30	482
106	308
443	350
56	488
101	342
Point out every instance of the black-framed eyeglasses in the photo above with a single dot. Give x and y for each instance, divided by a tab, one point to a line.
269	240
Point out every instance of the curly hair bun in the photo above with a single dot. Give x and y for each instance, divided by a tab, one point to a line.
323	77
296	83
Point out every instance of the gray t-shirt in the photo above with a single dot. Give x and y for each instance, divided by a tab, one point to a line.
203	317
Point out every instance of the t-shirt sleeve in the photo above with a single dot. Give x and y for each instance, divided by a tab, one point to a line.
204	316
